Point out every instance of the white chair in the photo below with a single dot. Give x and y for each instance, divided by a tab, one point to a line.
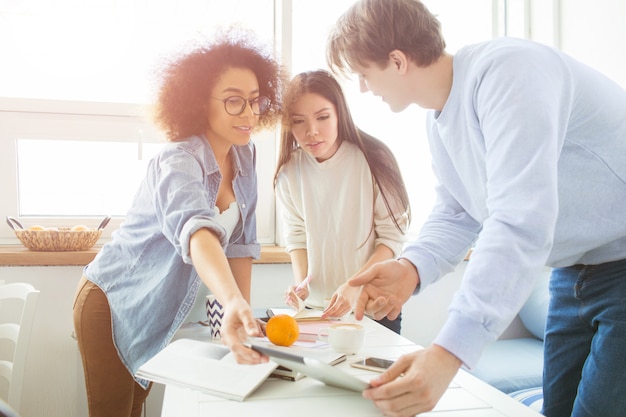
6	410
18	301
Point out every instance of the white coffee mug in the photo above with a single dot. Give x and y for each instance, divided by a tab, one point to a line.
215	315
343	337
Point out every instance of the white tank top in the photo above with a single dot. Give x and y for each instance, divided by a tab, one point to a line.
229	218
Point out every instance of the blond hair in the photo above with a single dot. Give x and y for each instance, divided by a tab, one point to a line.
371	29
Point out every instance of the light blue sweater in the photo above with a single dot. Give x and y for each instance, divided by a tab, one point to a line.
530	154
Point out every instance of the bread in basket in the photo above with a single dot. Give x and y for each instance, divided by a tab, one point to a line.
57	239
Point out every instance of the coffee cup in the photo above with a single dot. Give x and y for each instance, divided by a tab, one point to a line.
215	315
343	337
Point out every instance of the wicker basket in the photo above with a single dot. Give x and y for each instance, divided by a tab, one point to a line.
60	240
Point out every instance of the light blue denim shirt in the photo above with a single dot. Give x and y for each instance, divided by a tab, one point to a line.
145	270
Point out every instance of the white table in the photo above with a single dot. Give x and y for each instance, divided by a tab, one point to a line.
467	396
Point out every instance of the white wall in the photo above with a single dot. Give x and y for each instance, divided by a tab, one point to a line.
594	32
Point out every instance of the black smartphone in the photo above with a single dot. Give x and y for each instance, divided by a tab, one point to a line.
373	364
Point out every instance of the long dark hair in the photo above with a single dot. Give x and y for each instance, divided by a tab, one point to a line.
383	165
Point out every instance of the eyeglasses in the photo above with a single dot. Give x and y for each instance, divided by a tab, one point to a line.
235	105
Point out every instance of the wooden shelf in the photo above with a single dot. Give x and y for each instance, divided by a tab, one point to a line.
17	255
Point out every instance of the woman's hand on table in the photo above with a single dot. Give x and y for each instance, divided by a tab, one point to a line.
239	324
414	383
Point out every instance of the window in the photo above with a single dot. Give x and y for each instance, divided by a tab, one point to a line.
405	132
74	142
75	77
107	50
44	163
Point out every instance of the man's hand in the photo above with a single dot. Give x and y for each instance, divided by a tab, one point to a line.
414	383
387	286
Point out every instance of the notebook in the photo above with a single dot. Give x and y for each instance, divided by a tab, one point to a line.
309	330
307	314
206	367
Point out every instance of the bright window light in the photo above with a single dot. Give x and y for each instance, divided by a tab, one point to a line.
107	50
104	53
79	178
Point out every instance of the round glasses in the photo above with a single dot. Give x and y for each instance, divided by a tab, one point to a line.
235	105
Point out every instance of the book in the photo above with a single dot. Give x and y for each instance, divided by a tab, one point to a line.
307	314
286	374
283	372
206	367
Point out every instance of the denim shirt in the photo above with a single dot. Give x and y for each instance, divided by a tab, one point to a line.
146	270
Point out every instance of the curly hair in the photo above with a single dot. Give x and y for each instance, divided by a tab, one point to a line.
186	82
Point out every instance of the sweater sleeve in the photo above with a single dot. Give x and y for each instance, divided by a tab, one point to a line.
518	100
443	241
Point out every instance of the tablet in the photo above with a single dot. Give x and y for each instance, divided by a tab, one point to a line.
313	368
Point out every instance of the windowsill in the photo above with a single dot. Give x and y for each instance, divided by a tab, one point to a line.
17	255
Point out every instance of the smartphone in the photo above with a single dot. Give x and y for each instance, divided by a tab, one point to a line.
373	364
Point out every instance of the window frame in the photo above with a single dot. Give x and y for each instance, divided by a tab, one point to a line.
121	122
62	120
44	119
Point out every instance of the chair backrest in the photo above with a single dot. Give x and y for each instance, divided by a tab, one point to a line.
6	410
18	334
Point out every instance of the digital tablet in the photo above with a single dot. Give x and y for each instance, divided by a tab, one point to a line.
313	368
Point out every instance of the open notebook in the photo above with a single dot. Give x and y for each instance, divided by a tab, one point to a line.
301	313
306	314
206	367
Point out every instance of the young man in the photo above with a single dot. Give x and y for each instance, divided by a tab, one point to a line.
529	149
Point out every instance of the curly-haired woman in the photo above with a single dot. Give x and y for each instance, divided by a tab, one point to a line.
192	221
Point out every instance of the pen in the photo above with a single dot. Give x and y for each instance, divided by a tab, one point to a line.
304	283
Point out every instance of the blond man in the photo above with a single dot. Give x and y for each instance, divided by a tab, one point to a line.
529	149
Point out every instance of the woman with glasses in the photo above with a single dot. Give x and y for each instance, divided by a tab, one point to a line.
192	223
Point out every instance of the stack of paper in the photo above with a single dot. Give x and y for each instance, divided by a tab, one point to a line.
310	330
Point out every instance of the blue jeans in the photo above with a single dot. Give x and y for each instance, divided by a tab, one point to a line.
585	342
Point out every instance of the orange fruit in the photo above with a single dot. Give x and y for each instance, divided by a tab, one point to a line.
80	227
36	227
282	330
